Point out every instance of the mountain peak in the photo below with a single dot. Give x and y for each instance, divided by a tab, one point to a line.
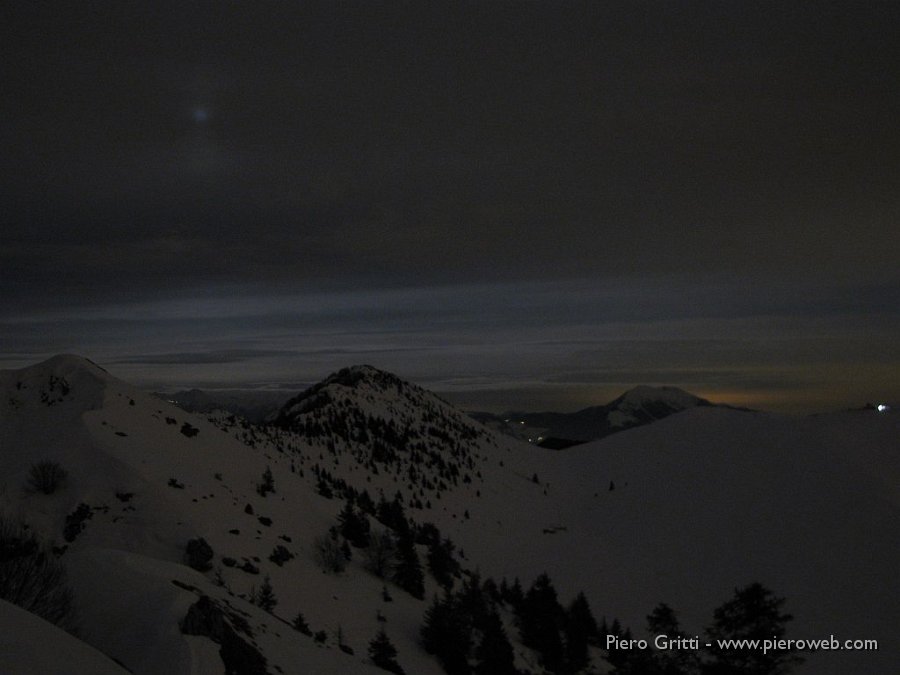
67	379
64	366
362	384
70	363
354	376
377	417
673	396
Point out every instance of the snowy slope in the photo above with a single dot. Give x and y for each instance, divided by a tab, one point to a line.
702	502
396	435
712	499
25	647
124	450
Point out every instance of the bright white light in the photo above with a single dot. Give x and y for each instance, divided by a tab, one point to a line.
883	408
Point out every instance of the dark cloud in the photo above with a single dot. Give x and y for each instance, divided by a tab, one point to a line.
194	358
195	179
442	141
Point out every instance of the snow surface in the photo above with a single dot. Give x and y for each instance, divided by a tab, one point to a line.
31	646
703	502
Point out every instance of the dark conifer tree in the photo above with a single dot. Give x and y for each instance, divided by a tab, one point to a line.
753	613
441	562
491	590
300	624
580	630
663	621
447	634
540	620
494	653
268	483
624	661
265	597
513	594
365	503
408	570
392	514
473	602
384	654
353	526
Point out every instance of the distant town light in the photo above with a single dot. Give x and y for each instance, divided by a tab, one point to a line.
881	407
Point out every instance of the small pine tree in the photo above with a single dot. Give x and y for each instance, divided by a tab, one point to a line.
265	597
299	624
353	526
408	571
441	562
392	515
384	654
268	483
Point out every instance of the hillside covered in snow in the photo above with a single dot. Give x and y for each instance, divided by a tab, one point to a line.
206	544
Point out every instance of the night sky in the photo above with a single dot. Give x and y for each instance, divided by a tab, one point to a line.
521	205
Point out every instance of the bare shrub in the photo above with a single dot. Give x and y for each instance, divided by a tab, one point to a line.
379	556
329	554
32	577
46	476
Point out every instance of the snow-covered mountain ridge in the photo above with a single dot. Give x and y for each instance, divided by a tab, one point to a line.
144	479
682	511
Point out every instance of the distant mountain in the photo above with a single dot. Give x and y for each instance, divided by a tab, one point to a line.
252	404
636	407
